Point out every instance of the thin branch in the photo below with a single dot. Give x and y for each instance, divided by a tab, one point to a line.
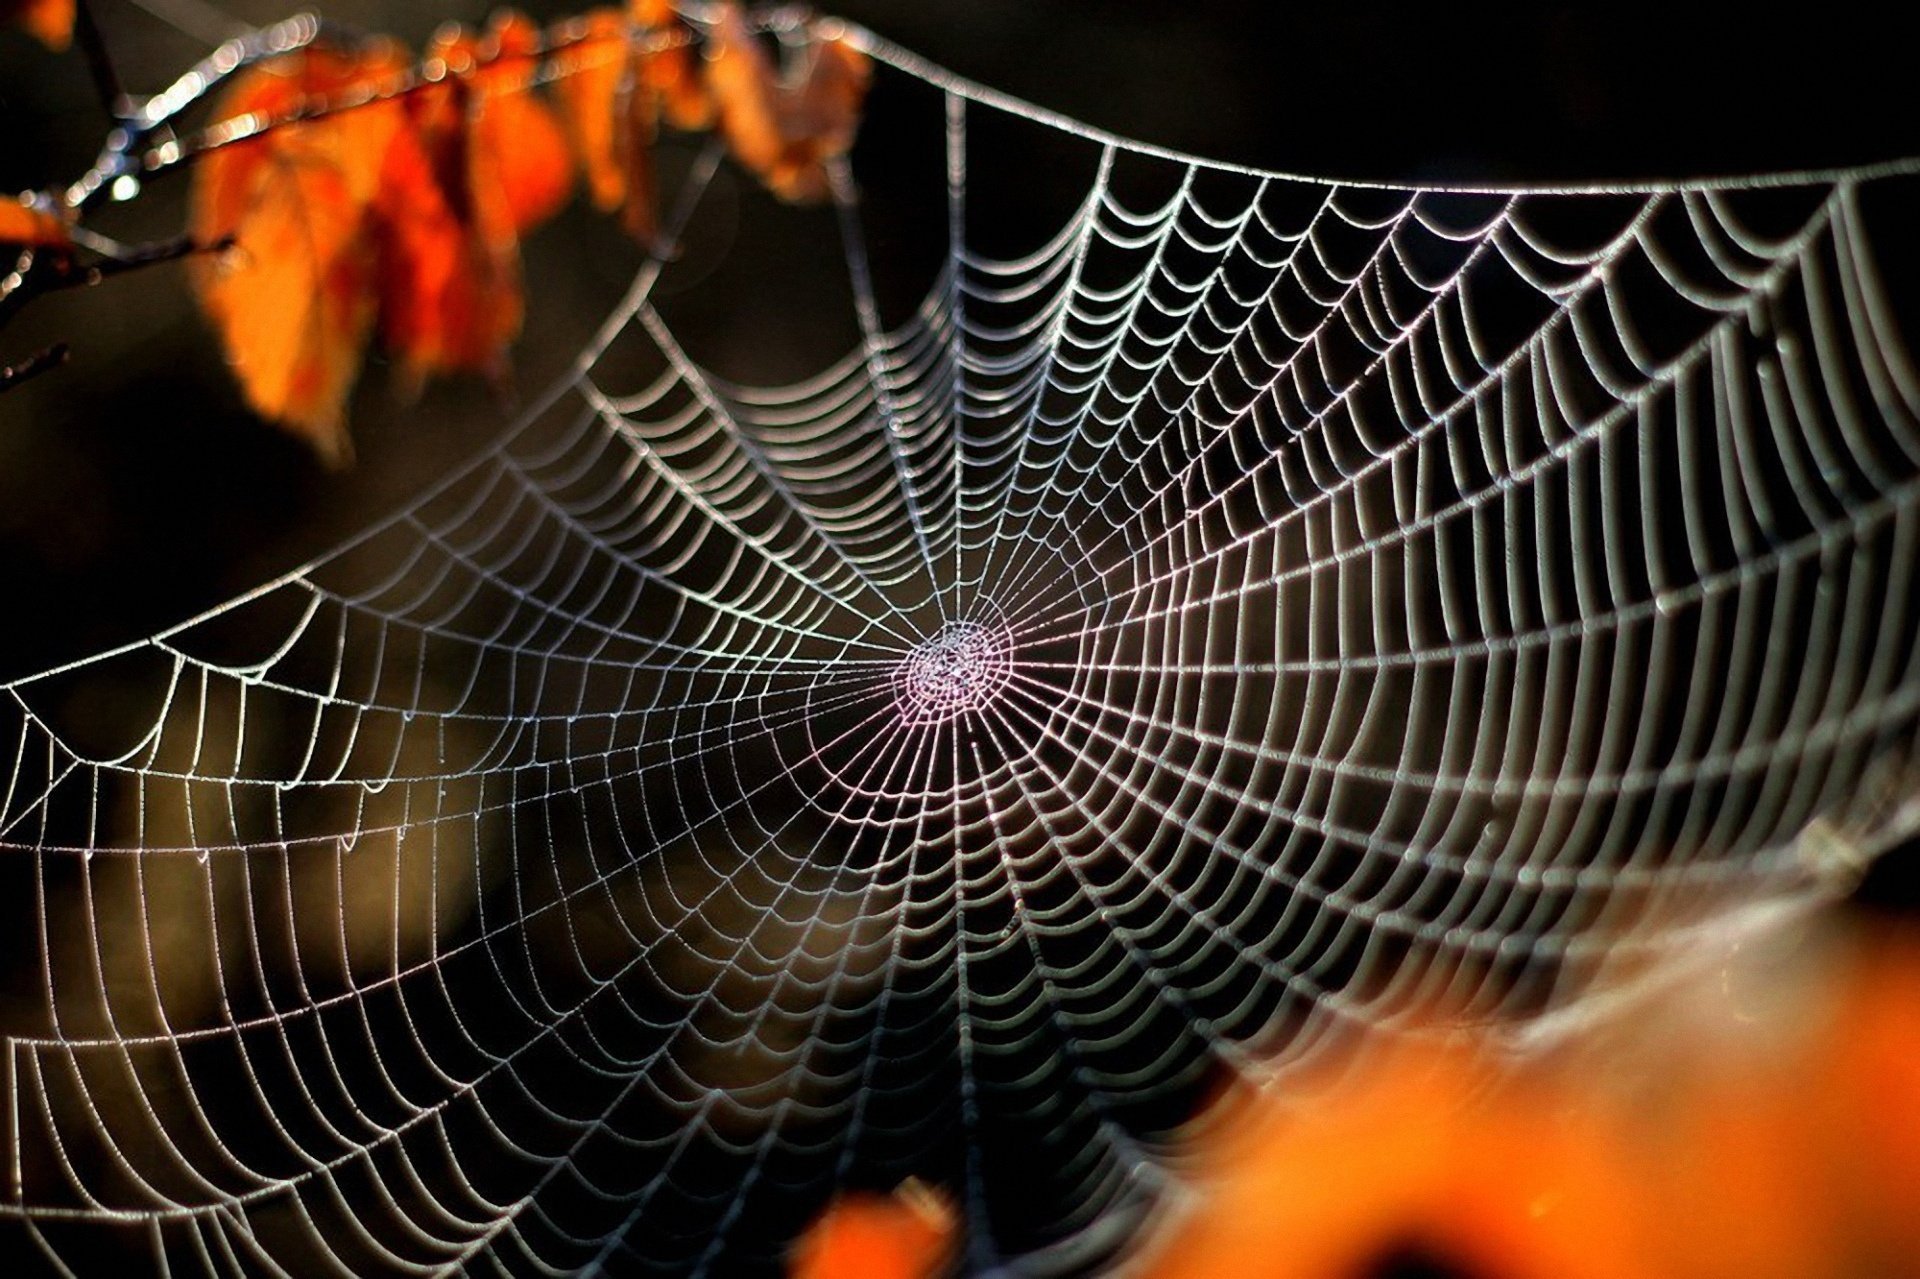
126	151
40	272
123	258
12	375
118	157
26	281
93	46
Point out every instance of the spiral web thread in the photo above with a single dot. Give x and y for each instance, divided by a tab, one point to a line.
1264	604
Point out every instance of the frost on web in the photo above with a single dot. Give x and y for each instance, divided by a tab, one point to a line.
1181	638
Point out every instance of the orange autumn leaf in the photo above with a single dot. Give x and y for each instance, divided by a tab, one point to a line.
49	20
636	130
293	298
785	132
590	75
905	1235
746	88
823	114
663	82
669	66
483	162
433	274
23	224
617	84
614	113
516	135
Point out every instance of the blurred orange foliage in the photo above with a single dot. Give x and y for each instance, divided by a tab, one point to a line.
594	84
482	162
1699	1138
785	130
624	76
669	68
1729	1128
50	20
905	1235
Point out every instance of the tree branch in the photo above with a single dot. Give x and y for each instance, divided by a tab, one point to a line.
12	375
93	46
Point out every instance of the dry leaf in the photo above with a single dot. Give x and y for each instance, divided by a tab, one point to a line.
905	1235
785	132
518	141
433	272
23	224
621	80
669	65
50	20
746	88
293	299
614	114
589	78
483	162
824	112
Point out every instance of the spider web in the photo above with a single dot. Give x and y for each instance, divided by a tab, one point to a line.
1257	606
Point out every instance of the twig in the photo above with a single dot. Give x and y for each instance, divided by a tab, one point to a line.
118	157
12	375
126	151
93	46
22	284
41	272
133	257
